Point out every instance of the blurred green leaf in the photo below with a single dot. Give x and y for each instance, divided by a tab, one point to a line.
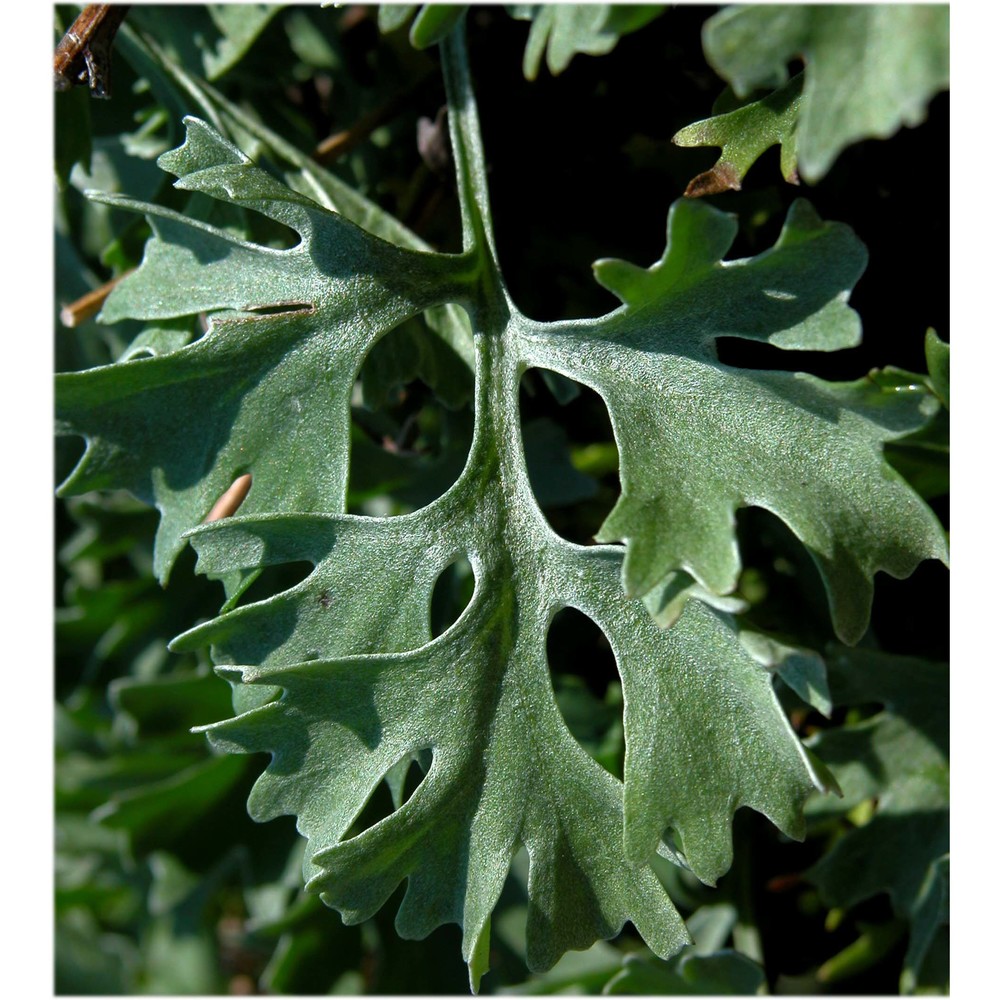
929	916
433	22
561	31
865	951
89	960
939	365
898	757
213	37
158	811
554	479
576	972
72	138
725	973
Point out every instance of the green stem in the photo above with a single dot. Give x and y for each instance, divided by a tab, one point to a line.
470	166
496	461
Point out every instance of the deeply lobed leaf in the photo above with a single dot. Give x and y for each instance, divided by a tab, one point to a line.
806	450
177	429
339	679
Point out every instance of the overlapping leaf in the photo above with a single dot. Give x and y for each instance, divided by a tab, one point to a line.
845	97
561	31
364	689
558	31
705	968
432	23
482	797
214	37
899	759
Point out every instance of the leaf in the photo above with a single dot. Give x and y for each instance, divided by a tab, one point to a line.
392	16
433	22
159	811
169	704
89	961
716	430
215	37
711	926
865	952
73	142
845	98
929	915
307	177
898	757
801	669
218	434
923	457
239	26
667	599
414	352
577	972
338	678
725	973
939	366
561	31
554	480
744	135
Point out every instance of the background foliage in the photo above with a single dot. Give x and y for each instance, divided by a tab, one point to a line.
163	884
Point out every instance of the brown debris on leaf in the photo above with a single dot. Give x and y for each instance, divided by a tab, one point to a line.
722	177
230	501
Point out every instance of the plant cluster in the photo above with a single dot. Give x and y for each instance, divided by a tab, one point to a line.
523	583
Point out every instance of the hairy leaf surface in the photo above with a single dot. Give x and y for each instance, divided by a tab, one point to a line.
177	429
339	679
726	438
